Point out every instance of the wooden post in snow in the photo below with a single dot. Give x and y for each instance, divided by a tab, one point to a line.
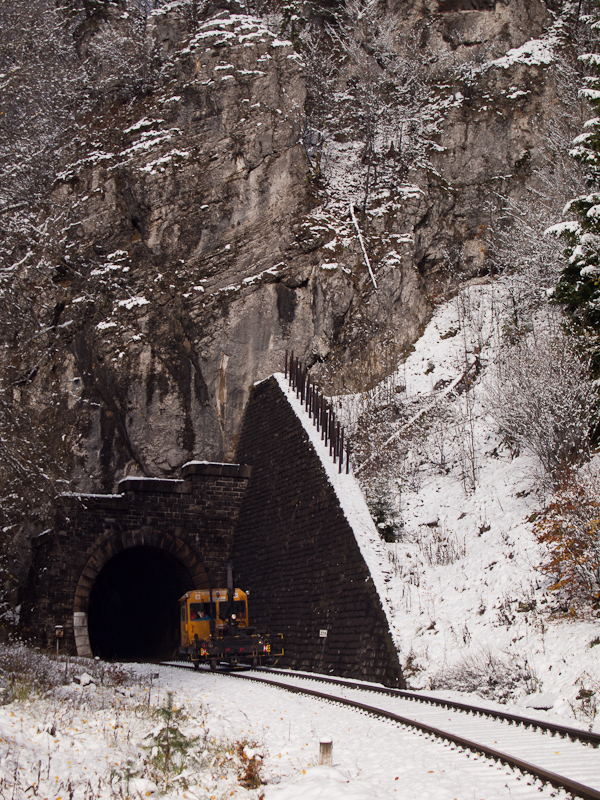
326	752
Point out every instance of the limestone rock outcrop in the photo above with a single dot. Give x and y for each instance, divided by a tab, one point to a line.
194	243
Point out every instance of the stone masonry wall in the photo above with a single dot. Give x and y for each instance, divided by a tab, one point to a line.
295	551
192	520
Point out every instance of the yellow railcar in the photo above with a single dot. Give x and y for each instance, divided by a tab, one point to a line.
215	628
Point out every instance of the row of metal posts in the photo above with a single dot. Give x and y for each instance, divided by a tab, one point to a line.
319	410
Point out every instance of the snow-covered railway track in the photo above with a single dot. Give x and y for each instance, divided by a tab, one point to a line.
577	734
565	757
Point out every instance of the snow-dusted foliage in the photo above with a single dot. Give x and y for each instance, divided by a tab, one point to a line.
473	569
24	672
33	454
54	73
520	246
569	527
578	289
42	84
542	398
489	674
108	732
376	104
252	742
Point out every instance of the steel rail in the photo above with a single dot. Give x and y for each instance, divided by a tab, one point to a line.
559	781
551	727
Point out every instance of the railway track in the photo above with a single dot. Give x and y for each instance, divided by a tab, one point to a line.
566	757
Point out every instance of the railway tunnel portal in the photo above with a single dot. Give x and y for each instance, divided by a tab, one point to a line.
112	567
111	570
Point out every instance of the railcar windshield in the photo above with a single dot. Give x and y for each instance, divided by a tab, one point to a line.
199	612
239	609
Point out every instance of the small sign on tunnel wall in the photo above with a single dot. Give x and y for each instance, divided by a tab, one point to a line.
322	634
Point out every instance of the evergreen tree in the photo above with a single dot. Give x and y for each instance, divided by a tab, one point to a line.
578	289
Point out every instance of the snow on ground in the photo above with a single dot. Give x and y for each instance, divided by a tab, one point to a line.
92	742
466	602
471	609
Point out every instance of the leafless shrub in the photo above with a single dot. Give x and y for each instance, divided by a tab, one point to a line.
25	671
495	677
543	400
441	547
585	707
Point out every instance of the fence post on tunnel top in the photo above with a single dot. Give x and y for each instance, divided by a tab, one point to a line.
331	432
319	410
326	752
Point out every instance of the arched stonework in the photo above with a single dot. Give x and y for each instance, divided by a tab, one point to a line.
189	519
107	550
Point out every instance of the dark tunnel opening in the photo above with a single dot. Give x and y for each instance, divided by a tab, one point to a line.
133	610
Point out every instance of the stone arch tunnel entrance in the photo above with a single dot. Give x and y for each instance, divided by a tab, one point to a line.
133	611
109	573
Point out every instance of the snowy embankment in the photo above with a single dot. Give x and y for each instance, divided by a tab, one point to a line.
103	740
472	609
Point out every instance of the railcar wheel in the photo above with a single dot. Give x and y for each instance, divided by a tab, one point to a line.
196	664
213	665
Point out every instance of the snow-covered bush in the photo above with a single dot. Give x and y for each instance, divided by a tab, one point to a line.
496	677
543	400
385	515
25	671
585	707
374	111
250	761
570	529
441	547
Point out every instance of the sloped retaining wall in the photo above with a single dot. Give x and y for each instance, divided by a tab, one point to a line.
297	552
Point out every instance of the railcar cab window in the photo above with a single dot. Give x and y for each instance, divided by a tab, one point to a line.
238	607
199	612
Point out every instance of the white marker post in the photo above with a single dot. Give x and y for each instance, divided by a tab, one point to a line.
59	632
362	245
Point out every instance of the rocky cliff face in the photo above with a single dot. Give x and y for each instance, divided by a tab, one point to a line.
194	241
180	219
